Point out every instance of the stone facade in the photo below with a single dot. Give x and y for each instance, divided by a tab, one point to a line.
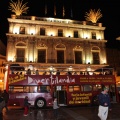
45	42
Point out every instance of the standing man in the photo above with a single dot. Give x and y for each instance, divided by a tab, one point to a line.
5	96
104	104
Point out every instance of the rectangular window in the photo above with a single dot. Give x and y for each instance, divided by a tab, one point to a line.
60	56
93	35
44	88
14	89
22	30
96	58
78	57
42	56
33	89
75	34
20	55
26	89
74	88
60	32
42	31
87	88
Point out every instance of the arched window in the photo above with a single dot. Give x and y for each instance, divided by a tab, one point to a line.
60	48
95	55
78	54
42	53
20	52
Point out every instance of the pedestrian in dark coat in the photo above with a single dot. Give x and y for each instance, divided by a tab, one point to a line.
2	105
26	106
104	104
5	96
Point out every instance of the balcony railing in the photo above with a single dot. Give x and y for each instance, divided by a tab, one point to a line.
55	61
20	59
67	21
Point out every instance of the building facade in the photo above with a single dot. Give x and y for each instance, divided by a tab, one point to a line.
51	43
2	60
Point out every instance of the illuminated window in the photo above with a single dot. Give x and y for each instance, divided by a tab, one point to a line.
33	89
74	88
22	30
15	89
70	88
26	89
93	35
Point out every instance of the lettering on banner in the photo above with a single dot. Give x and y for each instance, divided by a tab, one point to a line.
96	79
80	98
16	79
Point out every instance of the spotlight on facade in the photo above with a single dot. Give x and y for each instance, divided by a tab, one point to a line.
51	68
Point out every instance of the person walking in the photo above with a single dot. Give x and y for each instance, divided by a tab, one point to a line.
2	105
104	104
5	96
55	108
26	106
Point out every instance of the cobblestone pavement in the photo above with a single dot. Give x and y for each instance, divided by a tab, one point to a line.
65	113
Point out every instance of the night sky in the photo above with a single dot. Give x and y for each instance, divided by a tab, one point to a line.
110	10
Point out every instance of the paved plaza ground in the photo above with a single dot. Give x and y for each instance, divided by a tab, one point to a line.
65	113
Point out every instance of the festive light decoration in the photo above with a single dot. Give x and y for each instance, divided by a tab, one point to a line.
93	15
18	7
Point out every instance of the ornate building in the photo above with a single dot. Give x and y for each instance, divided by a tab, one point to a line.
52	44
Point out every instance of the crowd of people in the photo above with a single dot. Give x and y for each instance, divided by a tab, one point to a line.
58	72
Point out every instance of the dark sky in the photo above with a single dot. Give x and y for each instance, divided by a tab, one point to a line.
110	10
